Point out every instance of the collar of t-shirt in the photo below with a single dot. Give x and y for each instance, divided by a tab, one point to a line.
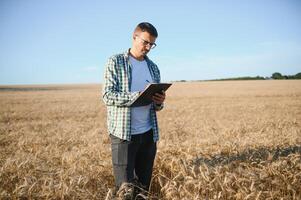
140	74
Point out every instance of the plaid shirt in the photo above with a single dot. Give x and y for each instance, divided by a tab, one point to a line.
118	98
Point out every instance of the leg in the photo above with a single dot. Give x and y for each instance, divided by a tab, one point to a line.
123	159
145	160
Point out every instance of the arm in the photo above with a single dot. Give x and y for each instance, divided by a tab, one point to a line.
159	107
159	100
110	92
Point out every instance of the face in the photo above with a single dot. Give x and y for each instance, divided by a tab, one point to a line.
143	43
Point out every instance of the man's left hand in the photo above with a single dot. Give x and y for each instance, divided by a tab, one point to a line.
159	98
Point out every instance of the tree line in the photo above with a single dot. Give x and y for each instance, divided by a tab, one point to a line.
278	75
275	76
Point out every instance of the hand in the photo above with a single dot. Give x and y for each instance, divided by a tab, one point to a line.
159	98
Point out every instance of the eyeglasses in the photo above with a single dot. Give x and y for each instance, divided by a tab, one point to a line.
145	43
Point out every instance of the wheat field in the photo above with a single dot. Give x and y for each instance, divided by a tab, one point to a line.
218	140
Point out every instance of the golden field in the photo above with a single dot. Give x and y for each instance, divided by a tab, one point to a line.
218	140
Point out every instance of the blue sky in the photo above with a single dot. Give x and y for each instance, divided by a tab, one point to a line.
68	41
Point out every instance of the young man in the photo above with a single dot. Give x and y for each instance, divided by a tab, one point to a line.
133	130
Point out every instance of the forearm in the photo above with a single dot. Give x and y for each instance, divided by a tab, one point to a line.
159	107
114	98
112	93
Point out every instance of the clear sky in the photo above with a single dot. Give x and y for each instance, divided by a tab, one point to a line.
69	41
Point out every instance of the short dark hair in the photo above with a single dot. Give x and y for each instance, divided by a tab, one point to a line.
148	27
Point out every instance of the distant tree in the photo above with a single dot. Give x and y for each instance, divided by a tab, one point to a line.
298	76
277	75
290	77
259	78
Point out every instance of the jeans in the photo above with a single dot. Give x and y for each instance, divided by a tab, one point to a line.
133	160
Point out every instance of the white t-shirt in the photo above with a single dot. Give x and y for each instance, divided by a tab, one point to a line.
140	116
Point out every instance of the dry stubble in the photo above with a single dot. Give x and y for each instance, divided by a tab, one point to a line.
219	140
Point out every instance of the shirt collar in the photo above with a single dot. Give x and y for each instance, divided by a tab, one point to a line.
127	55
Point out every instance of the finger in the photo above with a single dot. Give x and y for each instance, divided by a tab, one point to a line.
162	93
159	95
157	99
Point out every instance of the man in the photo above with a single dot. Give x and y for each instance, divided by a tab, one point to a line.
133	130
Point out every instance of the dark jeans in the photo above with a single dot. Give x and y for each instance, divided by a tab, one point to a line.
133	159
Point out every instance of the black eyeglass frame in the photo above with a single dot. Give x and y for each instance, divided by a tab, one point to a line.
145	43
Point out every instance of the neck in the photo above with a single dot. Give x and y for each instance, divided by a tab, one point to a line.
135	55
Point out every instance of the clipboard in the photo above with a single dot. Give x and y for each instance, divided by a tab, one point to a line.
145	98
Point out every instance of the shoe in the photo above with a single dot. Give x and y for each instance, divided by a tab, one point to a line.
126	191
140	193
